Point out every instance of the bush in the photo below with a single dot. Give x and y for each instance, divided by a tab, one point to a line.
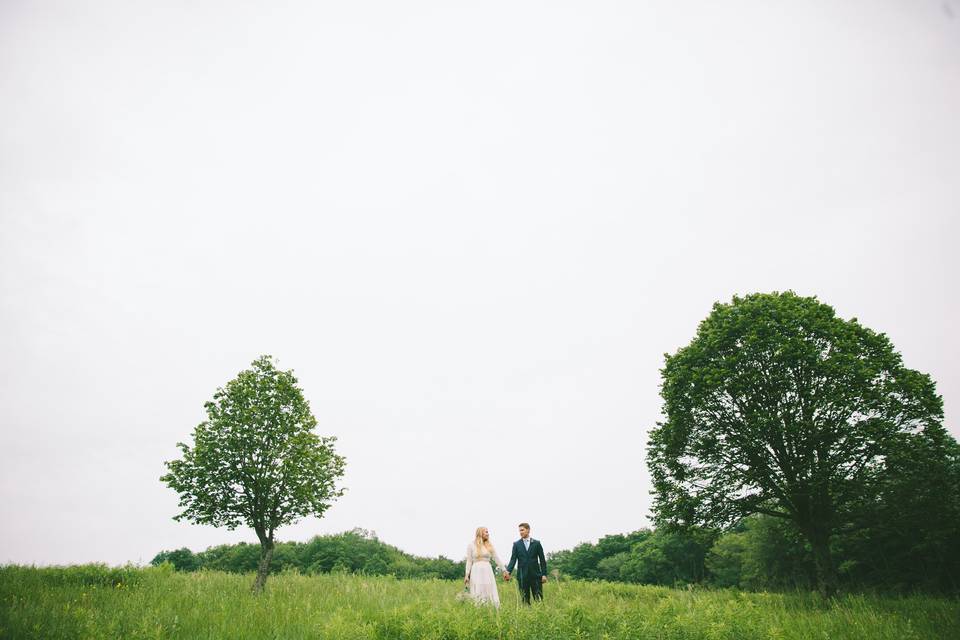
358	551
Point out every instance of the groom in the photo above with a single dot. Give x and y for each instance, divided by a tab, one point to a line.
533	566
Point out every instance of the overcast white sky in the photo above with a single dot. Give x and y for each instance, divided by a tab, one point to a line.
472	229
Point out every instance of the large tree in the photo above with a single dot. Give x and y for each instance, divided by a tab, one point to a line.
779	407
256	460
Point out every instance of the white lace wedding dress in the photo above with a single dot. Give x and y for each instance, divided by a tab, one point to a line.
483	583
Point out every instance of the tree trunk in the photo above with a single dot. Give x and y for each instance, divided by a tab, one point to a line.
266	554
823	562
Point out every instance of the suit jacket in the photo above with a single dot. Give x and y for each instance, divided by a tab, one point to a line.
532	562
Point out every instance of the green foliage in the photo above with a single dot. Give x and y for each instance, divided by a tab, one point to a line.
906	546
908	538
358	551
727	558
583	561
779	407
238	558
182	559
648	557
670	558
256	460
166	604
761	553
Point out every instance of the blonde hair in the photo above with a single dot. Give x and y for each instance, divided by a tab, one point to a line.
479	544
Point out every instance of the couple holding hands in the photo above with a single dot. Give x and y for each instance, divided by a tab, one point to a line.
527	554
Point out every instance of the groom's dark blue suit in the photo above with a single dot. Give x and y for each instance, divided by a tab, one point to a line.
532	567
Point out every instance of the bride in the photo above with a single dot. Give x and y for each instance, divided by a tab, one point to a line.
483	584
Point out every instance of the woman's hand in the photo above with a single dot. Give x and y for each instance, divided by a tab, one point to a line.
466	580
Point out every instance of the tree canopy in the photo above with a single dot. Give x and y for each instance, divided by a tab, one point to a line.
779	407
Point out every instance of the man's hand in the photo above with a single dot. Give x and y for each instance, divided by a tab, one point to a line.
543	579
506	576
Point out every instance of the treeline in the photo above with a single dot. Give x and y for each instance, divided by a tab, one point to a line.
357	551
901	553
643	557
902	550
901	534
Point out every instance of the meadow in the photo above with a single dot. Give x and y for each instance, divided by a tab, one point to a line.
157	602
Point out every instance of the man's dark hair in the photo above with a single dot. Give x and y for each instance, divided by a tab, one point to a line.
525	525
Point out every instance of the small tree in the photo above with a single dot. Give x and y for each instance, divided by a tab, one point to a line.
779	407
256	460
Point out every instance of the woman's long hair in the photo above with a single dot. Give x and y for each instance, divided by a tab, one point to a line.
480	544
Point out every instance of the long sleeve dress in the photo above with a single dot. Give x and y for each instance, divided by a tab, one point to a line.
483	584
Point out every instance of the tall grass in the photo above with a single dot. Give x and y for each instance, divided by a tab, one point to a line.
99	602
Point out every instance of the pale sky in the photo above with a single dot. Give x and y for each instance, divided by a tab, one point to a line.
471	229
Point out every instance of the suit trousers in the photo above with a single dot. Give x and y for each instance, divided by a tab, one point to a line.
530	586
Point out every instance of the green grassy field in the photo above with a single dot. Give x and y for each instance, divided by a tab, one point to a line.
95	602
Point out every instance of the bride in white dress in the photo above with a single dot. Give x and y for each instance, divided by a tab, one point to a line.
483	584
